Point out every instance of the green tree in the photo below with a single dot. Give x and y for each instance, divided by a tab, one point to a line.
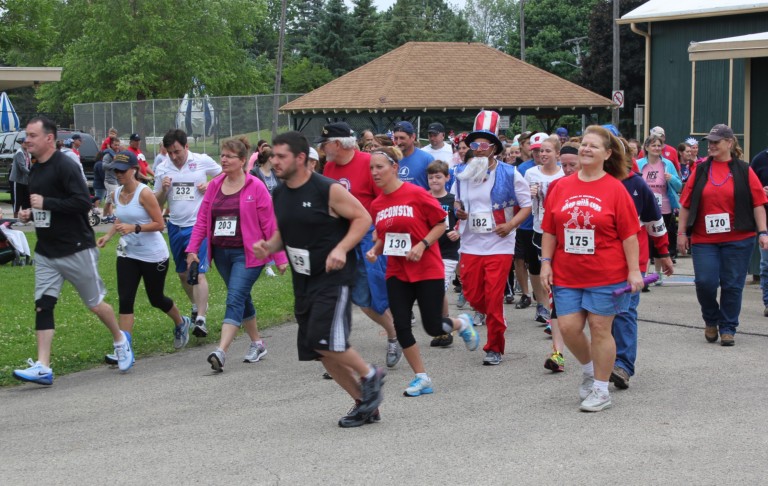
302	76
27	31
492	20
368	32
423	20
332	43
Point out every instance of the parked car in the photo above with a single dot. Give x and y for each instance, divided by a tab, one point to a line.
9	146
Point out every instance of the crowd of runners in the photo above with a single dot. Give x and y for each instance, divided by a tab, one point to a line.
379	222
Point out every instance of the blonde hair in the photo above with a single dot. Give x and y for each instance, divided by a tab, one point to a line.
614	165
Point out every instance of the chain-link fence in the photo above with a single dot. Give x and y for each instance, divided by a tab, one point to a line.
205	119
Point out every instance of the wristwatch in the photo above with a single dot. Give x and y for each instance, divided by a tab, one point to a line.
138	229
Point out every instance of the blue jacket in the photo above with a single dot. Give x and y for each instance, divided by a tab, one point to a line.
674	185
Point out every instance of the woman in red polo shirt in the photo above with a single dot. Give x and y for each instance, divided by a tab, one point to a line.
722	206
408	222
589	250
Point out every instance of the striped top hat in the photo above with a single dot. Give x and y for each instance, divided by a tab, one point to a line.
487	127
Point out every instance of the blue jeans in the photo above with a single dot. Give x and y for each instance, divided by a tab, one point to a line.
230	262
625	334
724	266
764	275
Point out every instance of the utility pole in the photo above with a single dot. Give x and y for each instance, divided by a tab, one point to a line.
523	121
279	73
615	118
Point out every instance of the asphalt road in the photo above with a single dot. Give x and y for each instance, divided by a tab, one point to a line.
694	413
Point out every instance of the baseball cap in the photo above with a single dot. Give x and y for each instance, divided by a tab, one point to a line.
68	142
719	132
658	131
76	136
562	132
335	130
537	138
436	128
524	136
313	154
135	137
124	160
404	126
21	139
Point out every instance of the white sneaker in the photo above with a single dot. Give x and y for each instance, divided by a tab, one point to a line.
254	354
36	373
587	382
124	354
596	401
418	386
270	272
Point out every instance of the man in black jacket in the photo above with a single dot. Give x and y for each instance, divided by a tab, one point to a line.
65	250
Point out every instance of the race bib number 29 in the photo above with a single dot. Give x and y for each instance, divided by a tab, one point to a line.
299	260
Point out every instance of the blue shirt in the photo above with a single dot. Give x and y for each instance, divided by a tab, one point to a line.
413	168
523	168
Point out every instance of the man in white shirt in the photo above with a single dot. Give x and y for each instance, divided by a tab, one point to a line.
182	181
437	147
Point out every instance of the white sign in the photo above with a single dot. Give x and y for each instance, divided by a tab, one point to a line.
504	122
618	98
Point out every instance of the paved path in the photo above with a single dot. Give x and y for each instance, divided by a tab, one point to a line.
695	413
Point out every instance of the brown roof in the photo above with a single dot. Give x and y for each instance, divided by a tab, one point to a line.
445	76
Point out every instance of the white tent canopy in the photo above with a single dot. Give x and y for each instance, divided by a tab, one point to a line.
661	10
739	47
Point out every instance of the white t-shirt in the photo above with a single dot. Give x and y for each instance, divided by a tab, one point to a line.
159	159
445	153
183	197
534	175
477	200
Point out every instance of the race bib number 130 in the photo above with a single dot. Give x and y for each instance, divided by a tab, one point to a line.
397	244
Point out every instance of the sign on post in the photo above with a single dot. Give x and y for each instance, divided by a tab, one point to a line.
504	122
618	97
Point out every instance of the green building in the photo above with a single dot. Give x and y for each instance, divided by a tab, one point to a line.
706	63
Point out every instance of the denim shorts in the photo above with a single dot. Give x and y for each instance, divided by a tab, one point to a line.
596	300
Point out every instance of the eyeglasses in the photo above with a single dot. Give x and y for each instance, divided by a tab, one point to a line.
480	146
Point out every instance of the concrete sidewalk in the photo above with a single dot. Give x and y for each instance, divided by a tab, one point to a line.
695	413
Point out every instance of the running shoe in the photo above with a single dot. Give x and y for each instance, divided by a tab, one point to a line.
256	351
492	358
469	335
36	373
181	333
370	391
587	382
509	299
660	281
193	314
111	359
542	314
524	302
596	401
442	341
548	329
620	378
216	359
478	319
461	302
270	272
555	362
418	386
124	354
354	418
200	330
394	354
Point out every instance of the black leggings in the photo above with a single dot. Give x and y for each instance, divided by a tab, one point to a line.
130	271
429	294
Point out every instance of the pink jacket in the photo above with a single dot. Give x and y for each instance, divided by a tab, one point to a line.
257	220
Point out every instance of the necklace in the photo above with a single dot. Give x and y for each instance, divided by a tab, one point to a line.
712	180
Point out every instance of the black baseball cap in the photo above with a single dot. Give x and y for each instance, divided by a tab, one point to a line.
135	137
76	136
436	128
335	130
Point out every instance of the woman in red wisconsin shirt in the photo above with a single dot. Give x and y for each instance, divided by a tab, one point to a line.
722	206
590	249
408	222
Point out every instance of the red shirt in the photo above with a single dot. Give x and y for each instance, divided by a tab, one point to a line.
410	209
356	177
143	165
603	206
719	199
105	144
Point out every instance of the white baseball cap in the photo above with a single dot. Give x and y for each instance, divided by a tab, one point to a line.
537	138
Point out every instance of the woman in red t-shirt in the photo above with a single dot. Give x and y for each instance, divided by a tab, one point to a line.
408	222
722	206
589	250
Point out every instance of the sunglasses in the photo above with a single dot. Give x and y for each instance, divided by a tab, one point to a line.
480	145
118	171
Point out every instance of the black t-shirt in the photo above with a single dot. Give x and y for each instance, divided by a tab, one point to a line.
449	249
305	223
60	181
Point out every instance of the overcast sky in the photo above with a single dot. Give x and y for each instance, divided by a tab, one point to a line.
383	5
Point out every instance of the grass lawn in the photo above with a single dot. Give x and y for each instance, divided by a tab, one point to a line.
5	197
82	340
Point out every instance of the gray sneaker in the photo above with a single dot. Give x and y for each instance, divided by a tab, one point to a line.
596	401
181	333
478	319
200	330
216	359
492	358
370	391
461	302
394	354
587	382
255	353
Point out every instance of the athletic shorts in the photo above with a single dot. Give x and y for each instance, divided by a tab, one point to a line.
596	300
179	239
81	269
110	194
370	288
525	250
450	268
325	321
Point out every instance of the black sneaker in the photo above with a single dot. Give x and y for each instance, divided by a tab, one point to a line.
457	289
355	418
371	391
442	341
200	330
524	302
509	299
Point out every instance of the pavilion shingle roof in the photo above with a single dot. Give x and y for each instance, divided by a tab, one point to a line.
445	75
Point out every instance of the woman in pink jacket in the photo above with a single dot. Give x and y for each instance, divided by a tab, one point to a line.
236	212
